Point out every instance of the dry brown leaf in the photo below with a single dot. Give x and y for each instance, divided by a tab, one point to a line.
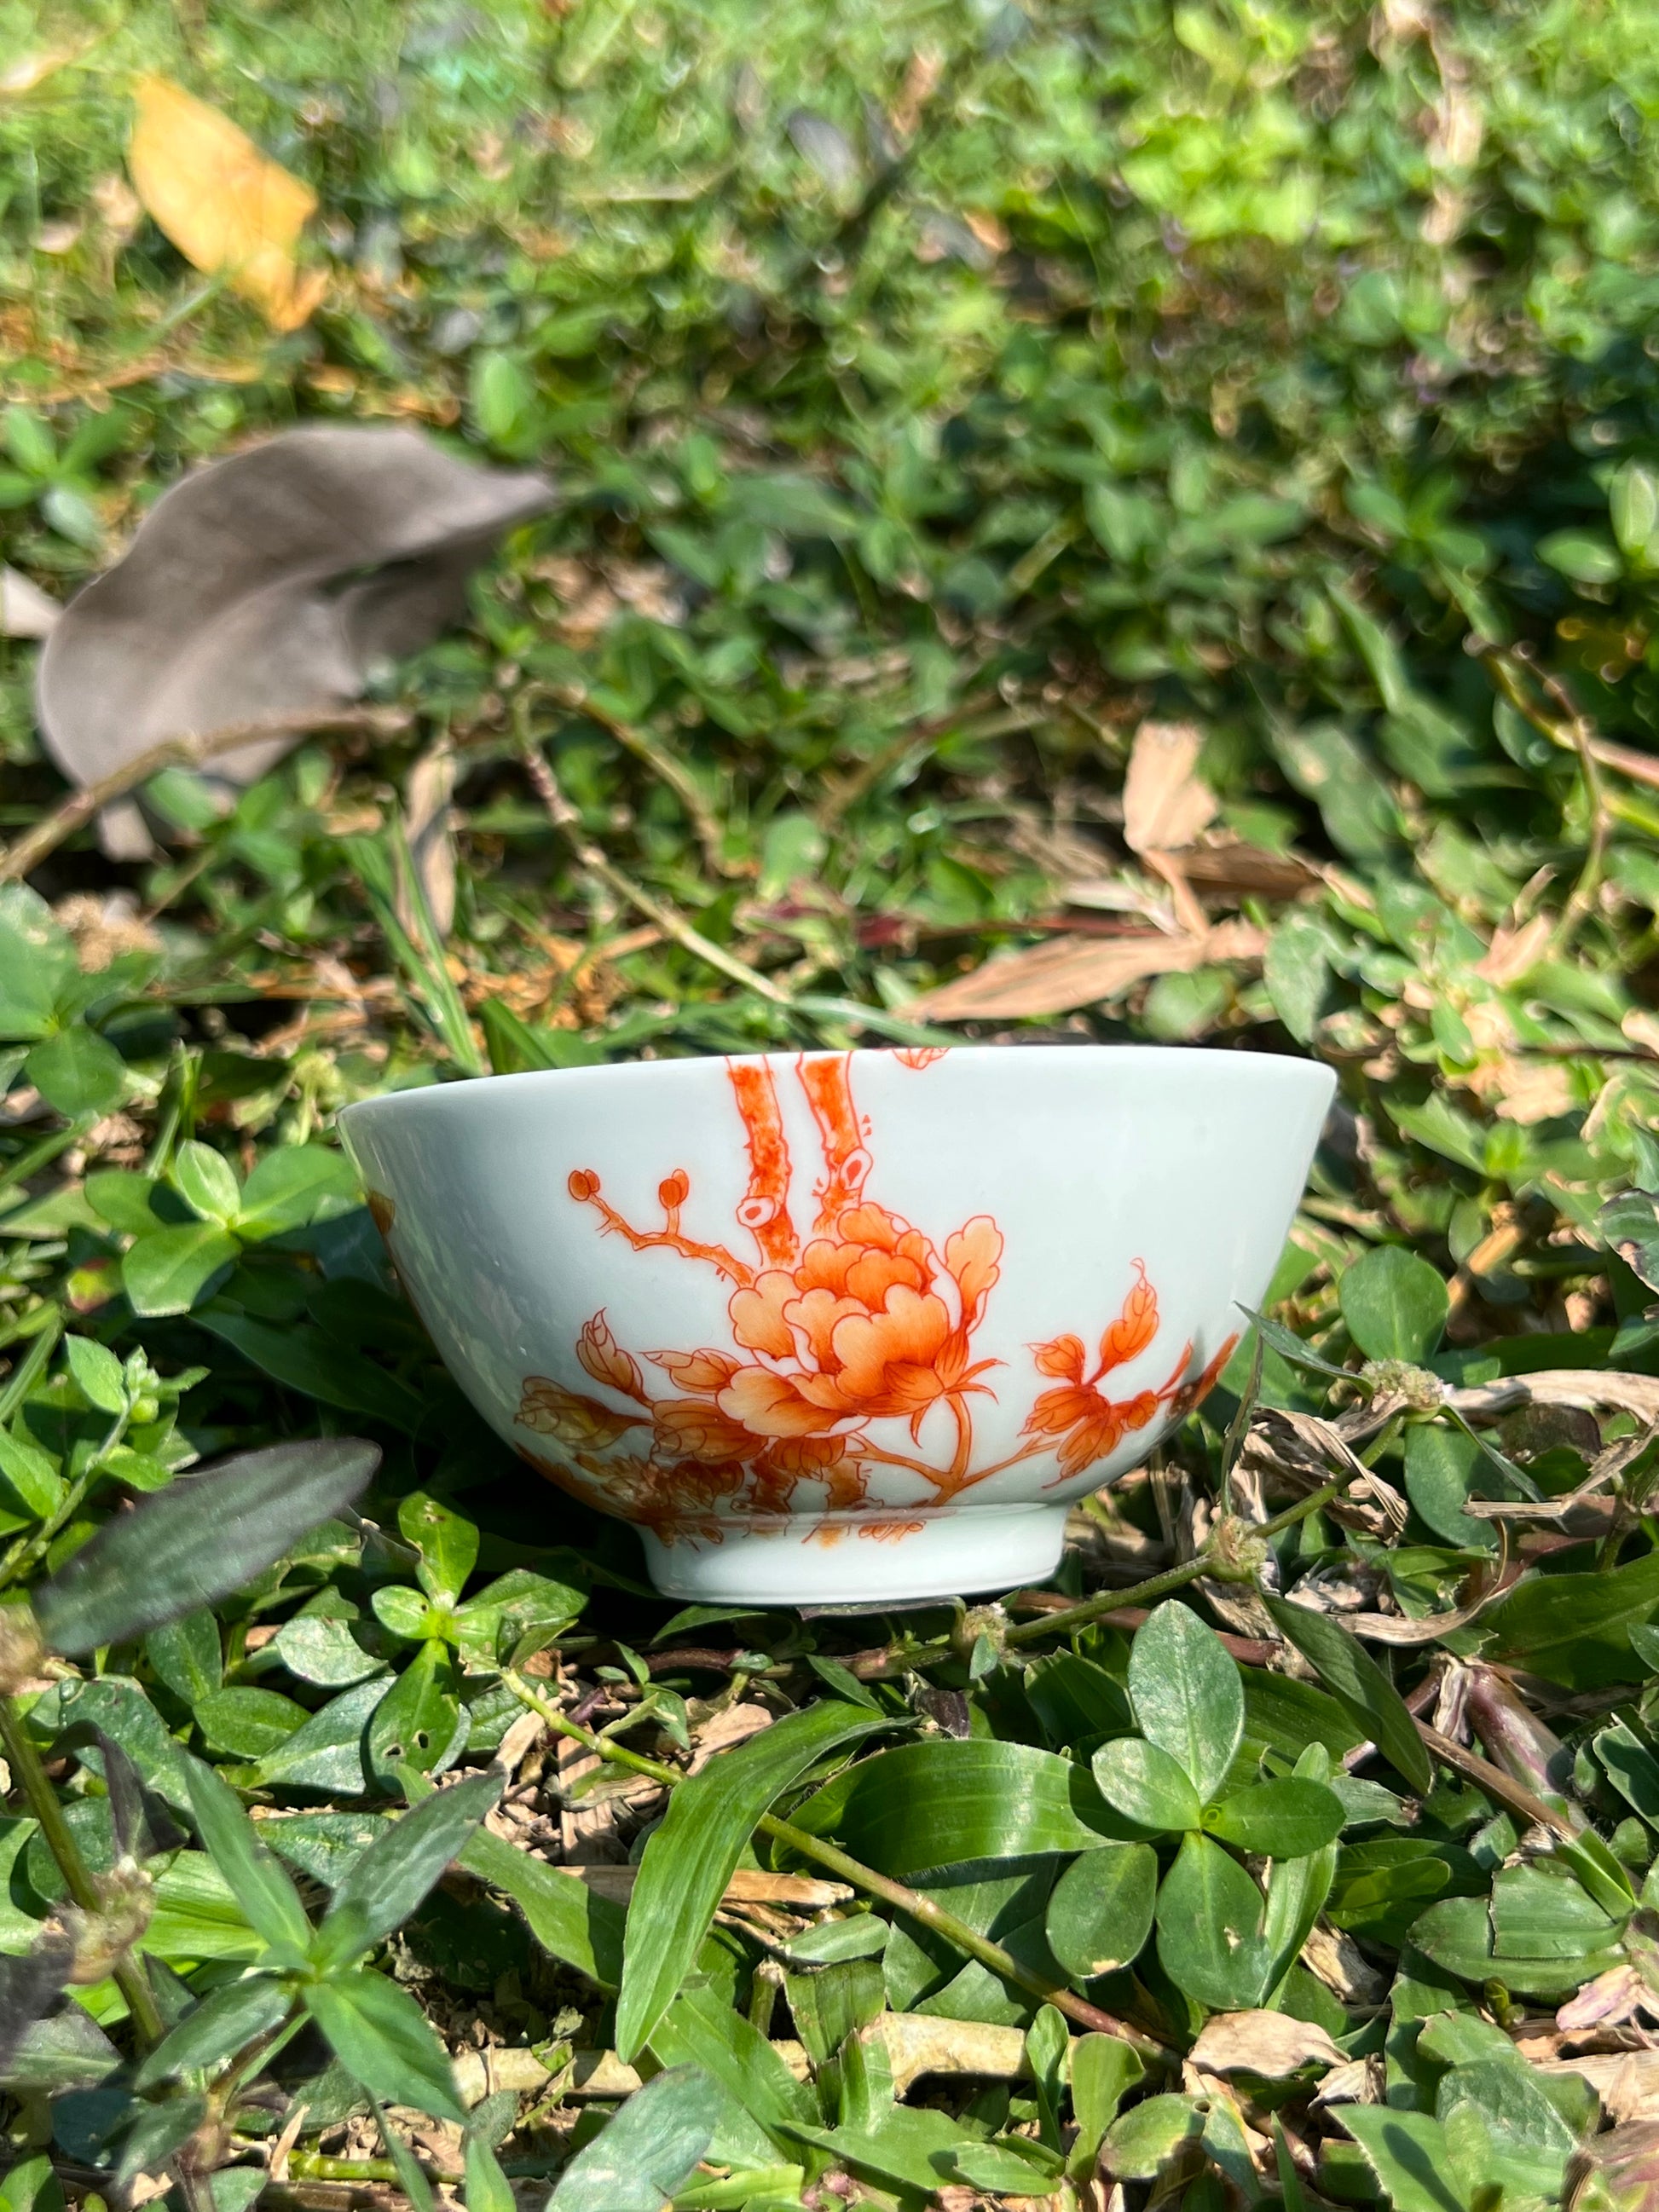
748	1885
1271	2044
1338	1961
1588	1390
1225	866
1641	1029
1626	2081
1166	802
1514	953
733	1724
229	210
429	833
1080	971
24	610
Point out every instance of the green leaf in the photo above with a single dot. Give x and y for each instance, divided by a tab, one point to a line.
395	1873
571	1922
195	1541
1187	1695
307	1359
97	1374
1441	1465
1630	1226
216	2029
1145	1784
415	1722
1359	1686
1103	2069
168	1270
323	1650
1282	1820
486	2188
31	1477
327	1752
77	1072
642	2157
1100	1912
944	1802
381	2036
291	1187
186	1654
1633	509
37	961
1210	1938
691	1858
1297	971
1584	556
761	2096
246	1724
259	1881
1543	1612
207	1182
1149	2135
1395	1304
1407	2151
122	1199
448	1543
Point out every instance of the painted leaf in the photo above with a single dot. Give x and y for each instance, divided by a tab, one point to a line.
230	210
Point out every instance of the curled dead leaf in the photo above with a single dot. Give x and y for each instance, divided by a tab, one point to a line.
230	210
263	586
1081	971
1166	802
25	609
1271	2044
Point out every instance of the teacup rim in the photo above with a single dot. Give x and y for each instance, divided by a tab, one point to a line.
463	1096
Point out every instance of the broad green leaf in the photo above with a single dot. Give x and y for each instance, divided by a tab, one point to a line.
1298	1887
37	962
448	1543
415	1722
290	1186
1441	1465
307	1359
1501	2129
29	1986
97	1372
325	1651
1633	509
186	1654
122	1199
486	2188
327	1752
396	1872
246	1724
1297	971
690	1859
1281	1820
1148	2136
216	2029
168	1270
207	1182
261	1884
77	1072
1103	2069
944	1802
642	2155
382	2038
1632	1769
1100	1913
1457	1934
31	1477
1359	1686
31	2185
1584	556
66	2051
1544	1612
1407	2151
194	1543
1145	1784
1186	1694
1394	1303
1210	1938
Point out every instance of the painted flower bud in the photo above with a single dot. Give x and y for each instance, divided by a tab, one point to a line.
1517	1740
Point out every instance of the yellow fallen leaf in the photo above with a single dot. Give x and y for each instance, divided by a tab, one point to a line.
229	210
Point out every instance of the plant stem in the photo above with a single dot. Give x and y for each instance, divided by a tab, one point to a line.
25	1763
911	1901
1172	1578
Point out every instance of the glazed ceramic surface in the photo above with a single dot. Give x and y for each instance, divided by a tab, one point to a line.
844	1326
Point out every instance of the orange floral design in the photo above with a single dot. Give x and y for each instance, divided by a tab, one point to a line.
1088	1425
863	1321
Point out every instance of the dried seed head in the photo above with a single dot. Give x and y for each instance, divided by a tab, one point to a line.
23	1649
1415	1388
126	1898
1240	1549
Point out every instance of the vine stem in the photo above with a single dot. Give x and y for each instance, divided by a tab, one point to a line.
1208	1561
911	1901
25	1763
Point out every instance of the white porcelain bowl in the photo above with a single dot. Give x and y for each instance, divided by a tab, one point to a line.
844	1326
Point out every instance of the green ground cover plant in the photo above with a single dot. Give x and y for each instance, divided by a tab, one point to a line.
1086	522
